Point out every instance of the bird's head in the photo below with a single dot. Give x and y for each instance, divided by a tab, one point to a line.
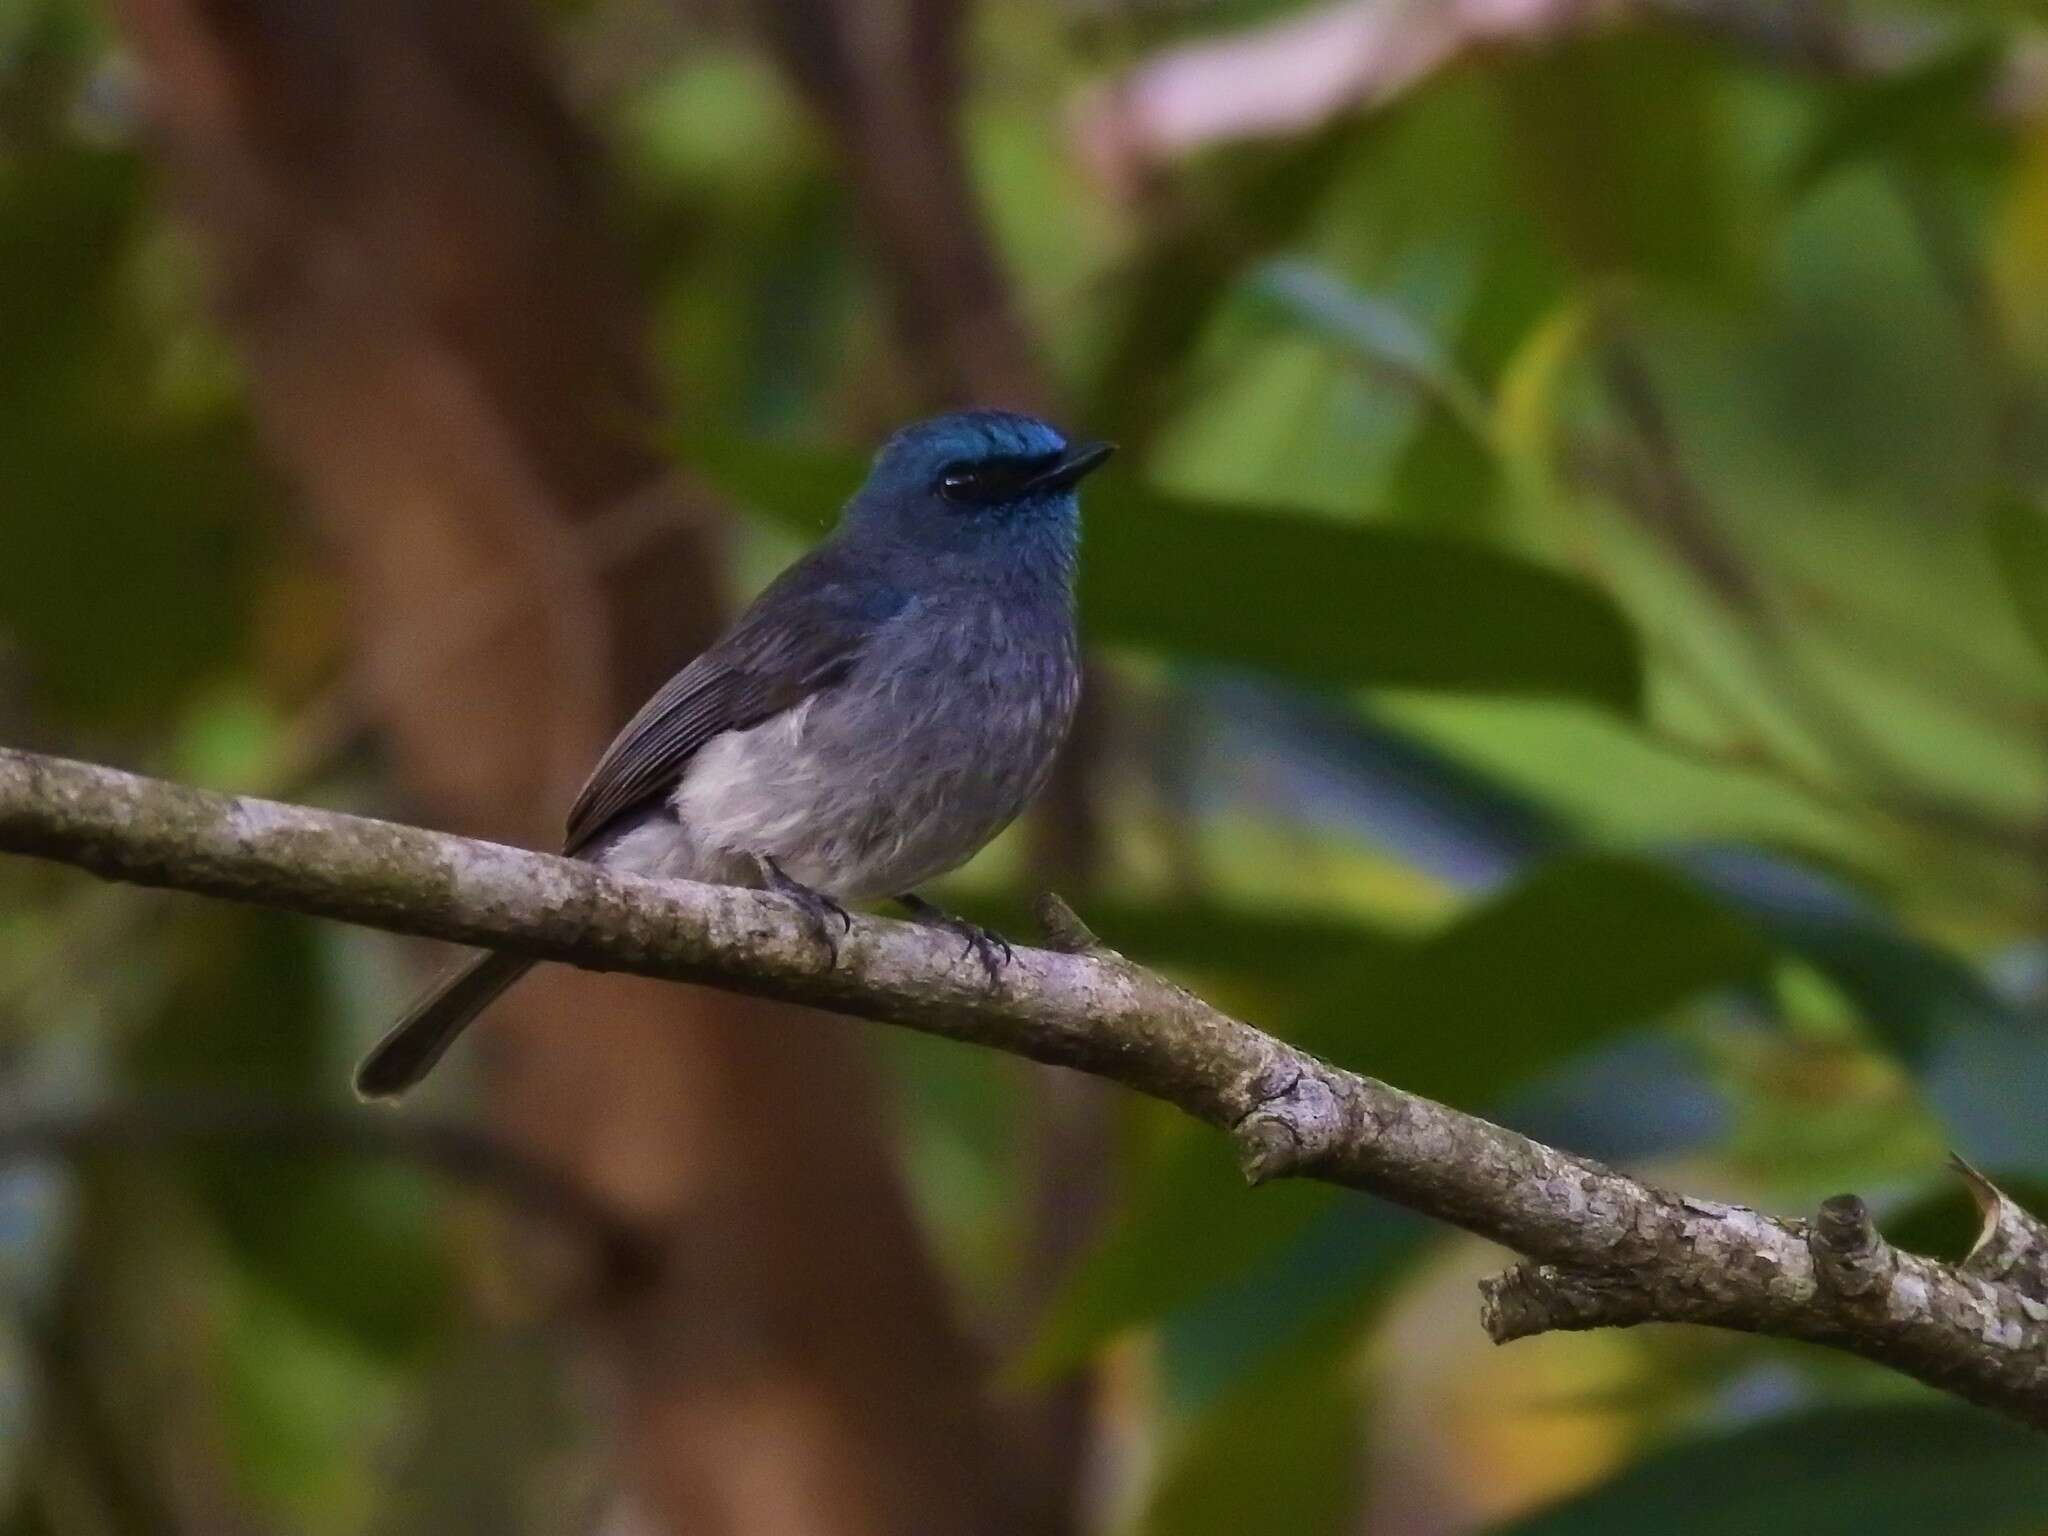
977	482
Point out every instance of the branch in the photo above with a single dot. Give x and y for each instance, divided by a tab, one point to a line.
1603	1249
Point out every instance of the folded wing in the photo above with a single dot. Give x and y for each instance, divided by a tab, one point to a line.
800	637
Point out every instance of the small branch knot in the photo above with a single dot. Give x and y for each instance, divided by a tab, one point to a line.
1512	1303
1296	1118
1530	1298
1849	1258
1063	929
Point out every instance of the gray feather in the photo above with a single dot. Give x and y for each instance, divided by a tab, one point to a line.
410	1048
801	636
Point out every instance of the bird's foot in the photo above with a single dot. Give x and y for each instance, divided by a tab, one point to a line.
985	944
817	908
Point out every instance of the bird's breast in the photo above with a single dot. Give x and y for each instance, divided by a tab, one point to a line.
904	770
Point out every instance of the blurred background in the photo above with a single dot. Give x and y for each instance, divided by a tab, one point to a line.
1569	626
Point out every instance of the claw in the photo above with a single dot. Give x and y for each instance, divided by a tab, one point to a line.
982	943
815	907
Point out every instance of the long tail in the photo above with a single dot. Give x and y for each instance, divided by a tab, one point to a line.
415	1042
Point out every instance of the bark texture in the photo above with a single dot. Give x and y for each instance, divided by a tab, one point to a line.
1601	1249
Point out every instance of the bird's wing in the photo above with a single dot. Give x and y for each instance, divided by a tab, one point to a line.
800	637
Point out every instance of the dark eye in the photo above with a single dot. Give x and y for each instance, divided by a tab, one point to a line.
991	481
963	482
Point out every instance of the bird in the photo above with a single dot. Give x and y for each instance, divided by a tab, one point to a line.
886	706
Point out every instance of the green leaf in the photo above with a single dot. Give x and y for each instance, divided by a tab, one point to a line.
112	501
1445	476
1349	606
354	1249
1587	948
1379	331
1315	1295
1449	477
1623	152
1926	111
1912	995
2018	530
1281	1453
100	645
68	217
299	1410
1584	949
1910	1470
1984	1082
1304	596
801	488
1255	200
1190	1223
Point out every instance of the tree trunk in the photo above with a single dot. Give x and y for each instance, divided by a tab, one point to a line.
447	355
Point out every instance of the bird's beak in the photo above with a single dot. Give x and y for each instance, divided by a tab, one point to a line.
1079	460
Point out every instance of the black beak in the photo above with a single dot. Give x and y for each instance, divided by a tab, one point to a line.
1078	461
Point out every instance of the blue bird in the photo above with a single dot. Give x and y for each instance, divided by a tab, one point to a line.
886	706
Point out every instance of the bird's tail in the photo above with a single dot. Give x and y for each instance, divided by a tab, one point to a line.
408	1052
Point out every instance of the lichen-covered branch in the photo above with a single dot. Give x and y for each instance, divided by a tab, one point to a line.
1601	1249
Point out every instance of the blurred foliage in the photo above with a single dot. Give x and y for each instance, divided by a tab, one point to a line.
1902	1469
1446	615
1576	591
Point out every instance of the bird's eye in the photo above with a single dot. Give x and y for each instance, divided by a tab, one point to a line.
961	482
992	481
